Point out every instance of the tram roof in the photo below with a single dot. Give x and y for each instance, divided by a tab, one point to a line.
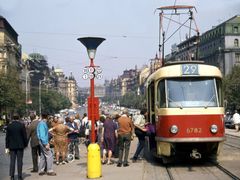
174	69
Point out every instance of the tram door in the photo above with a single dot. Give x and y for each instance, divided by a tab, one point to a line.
151	103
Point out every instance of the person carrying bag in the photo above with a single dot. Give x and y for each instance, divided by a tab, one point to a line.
140	132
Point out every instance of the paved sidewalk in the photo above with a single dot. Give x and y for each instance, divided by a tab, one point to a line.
77	170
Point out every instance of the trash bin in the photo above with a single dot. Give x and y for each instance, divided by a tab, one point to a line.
94	168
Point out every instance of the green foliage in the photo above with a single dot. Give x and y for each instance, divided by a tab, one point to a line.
132	100
231	85
51	101
11	94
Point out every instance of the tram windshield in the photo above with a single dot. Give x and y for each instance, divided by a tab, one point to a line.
191	92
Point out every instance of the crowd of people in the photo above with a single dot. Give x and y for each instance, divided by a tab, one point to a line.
53	138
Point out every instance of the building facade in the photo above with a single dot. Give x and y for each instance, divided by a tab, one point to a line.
220	45
10	49
72	90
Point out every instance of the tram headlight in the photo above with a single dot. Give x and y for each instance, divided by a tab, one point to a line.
174	129
214	129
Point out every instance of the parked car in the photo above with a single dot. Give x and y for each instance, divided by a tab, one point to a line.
228	120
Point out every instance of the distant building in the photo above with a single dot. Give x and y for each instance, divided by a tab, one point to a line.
187	50
220	46
129	81
10	49
144	72
155	64
100	91
67	86
72	90
62	85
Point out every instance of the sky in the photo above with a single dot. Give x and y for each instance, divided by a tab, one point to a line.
130	27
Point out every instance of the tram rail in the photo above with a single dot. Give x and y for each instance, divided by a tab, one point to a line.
225	171
168	169
231	145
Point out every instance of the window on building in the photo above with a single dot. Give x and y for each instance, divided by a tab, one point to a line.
236	43
237	58
235	29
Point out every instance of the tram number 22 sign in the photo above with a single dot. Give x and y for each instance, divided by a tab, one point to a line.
194	130
190	69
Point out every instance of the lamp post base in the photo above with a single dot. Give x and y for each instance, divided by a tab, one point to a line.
94	167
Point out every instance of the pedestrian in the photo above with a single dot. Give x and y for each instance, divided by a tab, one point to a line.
140	132
35	147
116	148
73	138
77	120
60	137
236	120
85	119
100	123
109	135
85	128
46	158
16	141
125	132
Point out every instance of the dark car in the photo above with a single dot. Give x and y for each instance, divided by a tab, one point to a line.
228	120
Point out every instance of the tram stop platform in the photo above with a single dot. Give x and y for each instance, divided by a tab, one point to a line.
77	170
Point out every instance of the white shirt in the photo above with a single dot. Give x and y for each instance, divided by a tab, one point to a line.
236	118
140	120
78	122
85	121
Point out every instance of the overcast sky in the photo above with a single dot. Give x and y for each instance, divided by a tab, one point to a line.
51	27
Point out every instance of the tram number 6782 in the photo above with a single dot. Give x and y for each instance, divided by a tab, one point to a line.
194	130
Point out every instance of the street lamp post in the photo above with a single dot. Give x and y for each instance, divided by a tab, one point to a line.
91	43
40	98
94	157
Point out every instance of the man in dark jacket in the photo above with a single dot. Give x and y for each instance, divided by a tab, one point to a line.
16	141
32	134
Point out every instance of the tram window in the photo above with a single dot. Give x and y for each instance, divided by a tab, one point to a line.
191	92
162	94
220	92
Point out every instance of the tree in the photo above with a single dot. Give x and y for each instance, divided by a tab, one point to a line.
11	94
51	101
132	100
231	86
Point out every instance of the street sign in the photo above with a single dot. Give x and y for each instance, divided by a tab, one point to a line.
91	72
91	69
99	76
98	70
85	76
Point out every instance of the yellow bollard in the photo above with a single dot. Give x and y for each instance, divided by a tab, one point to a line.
94	168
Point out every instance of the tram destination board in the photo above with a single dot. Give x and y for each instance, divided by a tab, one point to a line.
189	69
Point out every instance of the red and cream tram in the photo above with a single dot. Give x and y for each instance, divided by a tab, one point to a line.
185	105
